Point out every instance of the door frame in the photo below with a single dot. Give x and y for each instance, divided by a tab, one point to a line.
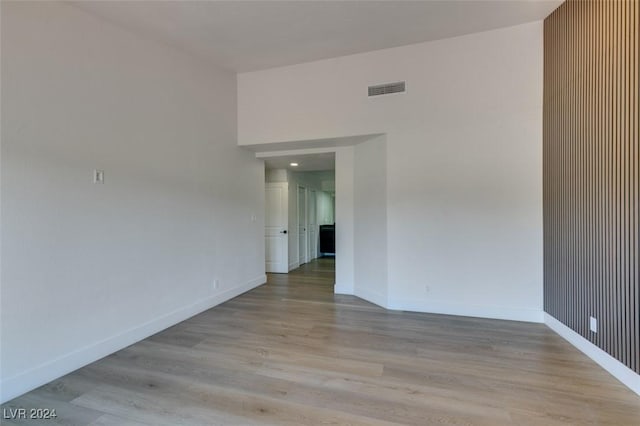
303	248
312	224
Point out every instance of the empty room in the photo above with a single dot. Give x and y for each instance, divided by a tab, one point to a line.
320	212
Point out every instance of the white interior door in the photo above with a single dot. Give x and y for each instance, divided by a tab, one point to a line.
302	225
275	227
312	225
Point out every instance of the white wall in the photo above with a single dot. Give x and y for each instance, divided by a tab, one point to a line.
464	163
344	220
370	221
86	268
276	175
325	208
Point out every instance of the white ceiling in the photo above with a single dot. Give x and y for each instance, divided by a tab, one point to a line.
306	162
252	35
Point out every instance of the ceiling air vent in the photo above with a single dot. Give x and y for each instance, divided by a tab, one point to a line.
386	89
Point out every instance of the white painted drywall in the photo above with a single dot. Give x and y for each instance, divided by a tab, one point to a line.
370	220
325	208
275	175
89	268
464	160
344	204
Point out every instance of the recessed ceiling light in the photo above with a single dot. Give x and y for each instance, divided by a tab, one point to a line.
293	164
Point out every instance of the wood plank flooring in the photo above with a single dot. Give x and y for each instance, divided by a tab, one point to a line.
292	352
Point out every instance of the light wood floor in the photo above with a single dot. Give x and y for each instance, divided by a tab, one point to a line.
290	352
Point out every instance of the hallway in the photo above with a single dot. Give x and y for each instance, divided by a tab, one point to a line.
292	352
313	279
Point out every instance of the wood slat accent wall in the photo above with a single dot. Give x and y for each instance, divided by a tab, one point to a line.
591	172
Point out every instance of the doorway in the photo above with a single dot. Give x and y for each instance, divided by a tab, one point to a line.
310	187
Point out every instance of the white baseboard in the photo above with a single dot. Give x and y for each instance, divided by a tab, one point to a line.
493	312
294	265
21	383
371	296
617	369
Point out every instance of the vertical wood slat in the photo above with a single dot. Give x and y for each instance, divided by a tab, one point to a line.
591	172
